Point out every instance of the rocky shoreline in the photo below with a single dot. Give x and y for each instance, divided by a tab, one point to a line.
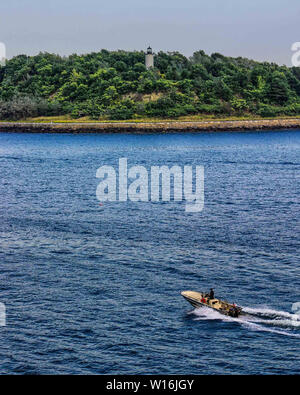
149	127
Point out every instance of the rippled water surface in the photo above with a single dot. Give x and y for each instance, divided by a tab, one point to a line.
96	289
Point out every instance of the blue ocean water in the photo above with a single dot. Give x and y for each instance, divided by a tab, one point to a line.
96	289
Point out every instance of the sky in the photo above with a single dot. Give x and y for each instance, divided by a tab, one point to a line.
263	30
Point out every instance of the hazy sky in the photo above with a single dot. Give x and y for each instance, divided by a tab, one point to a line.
258	29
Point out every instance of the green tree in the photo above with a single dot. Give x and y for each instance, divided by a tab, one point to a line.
277	90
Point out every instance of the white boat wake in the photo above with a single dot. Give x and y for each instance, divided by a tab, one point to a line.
257	319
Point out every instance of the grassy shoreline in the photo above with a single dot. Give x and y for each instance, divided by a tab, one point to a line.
193	118
64	125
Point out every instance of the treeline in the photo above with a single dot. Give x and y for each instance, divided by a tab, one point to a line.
116	85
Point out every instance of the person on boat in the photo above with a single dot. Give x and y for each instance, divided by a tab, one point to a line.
211	294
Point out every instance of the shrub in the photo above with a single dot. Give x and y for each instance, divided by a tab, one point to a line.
266	110
22	107
121	111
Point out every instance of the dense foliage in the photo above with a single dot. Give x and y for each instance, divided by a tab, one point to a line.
116	85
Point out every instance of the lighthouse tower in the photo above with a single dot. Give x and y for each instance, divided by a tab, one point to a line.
149	60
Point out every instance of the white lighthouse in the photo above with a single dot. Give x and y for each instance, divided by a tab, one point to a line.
149	60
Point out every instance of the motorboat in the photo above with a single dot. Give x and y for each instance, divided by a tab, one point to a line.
200	299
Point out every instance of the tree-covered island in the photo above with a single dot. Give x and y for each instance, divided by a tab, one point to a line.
115	85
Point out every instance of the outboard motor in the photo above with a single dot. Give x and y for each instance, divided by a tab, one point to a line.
234	312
